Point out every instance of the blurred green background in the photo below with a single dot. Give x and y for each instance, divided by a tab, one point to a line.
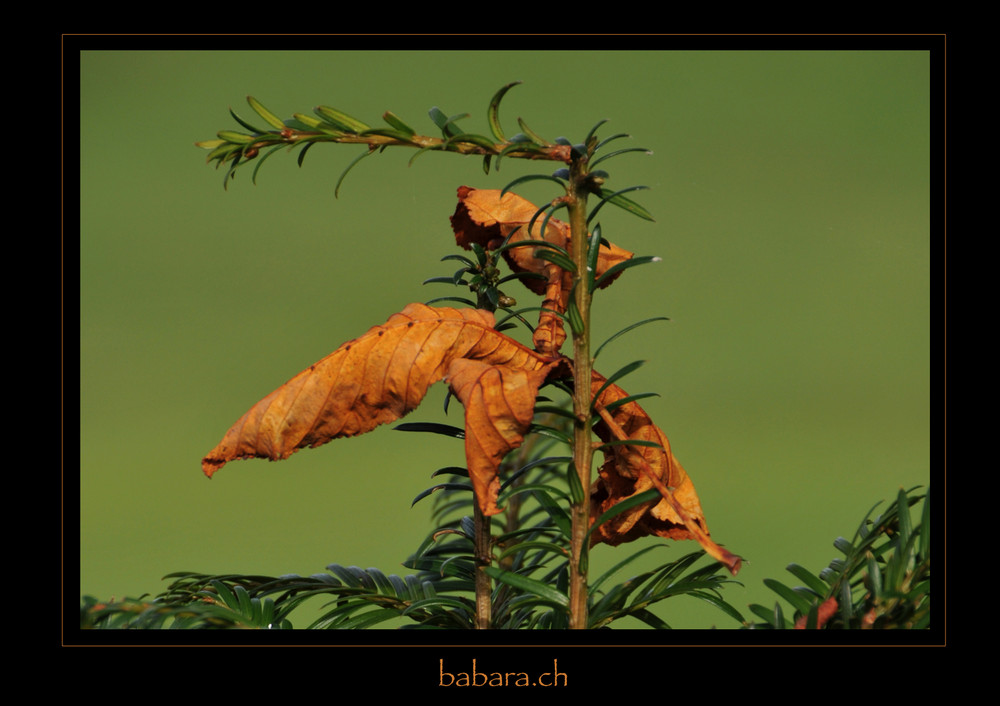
791	197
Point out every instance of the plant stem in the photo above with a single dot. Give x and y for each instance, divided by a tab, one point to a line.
582	449
482	541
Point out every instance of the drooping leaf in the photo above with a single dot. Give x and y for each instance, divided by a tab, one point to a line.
628	328
499	403
343	174
371	380
630	469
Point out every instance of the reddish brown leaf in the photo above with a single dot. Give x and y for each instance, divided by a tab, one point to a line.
550	334
629	470
827	609
371	380
499	403
483	217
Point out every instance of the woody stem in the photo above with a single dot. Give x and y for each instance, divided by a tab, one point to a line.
482	549
582	449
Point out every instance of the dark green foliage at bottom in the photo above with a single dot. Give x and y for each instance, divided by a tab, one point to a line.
530	571
882	581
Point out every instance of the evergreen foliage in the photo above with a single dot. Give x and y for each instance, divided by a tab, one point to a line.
538	548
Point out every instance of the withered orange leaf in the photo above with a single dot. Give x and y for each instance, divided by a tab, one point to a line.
499	403
371	380
550	334
827	609
632	469
484	217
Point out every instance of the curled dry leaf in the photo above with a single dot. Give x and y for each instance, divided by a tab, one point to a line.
383	375
484	217
632	469
499	403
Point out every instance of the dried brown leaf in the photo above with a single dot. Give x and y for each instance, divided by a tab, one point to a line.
371	380
484	217
499	403
632	469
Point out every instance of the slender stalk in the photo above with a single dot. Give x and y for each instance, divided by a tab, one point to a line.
582	449
482	541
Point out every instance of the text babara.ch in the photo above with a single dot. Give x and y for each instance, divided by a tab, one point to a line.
476	676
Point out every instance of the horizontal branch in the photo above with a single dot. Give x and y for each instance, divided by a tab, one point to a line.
237	147
248	145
